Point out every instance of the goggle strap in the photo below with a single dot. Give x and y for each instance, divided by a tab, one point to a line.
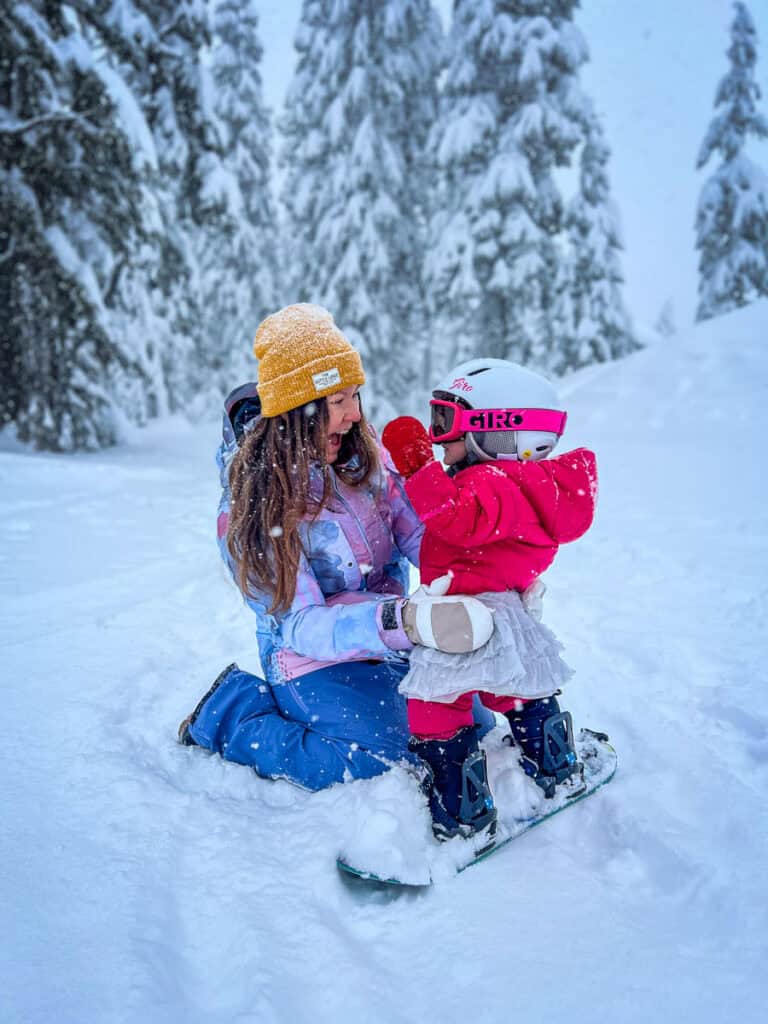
489	420
549	420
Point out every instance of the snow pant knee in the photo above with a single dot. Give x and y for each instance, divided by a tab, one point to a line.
277	748
342	722
238	698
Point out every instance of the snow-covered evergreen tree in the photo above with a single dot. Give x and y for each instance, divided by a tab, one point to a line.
239	263
359	109
194	69
510	118
137	244
600	328
732	215
69	218
170	83
665	322
160	48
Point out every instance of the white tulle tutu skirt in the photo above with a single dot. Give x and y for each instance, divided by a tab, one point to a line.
522	659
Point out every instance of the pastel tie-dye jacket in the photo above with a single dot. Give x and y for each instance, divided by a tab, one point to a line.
355	559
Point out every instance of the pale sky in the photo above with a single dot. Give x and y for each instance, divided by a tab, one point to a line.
654	70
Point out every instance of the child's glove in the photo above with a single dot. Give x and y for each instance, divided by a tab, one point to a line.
455	625
408	443
533	599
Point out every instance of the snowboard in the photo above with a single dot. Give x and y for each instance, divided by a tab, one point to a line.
598	760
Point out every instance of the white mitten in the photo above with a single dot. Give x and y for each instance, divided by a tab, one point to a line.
438	587
455	625
533	599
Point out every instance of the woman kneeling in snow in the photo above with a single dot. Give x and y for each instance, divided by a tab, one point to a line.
316	529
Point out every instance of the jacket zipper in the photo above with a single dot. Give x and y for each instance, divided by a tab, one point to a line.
353	514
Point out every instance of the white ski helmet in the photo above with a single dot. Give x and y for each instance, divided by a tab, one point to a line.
504	399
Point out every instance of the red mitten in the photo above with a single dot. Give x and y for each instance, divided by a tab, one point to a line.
408	443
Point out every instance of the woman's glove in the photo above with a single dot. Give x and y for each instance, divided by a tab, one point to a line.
455	625
408	443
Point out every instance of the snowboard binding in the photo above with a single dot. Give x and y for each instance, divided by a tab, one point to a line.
476	807
456	786
544	735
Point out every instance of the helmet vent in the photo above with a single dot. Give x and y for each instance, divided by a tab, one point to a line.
474	373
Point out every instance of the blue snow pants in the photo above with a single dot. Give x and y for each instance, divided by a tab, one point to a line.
346	721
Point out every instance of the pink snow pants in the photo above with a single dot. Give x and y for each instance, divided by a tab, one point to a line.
430	720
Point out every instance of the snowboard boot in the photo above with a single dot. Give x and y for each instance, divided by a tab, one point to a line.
544	735
460	799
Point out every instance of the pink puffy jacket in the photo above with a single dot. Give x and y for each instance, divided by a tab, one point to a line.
498	524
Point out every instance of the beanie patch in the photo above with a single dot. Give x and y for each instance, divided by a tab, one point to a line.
326	379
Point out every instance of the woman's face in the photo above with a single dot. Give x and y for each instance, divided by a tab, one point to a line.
343	414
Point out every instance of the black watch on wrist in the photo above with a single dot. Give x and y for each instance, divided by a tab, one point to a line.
389	615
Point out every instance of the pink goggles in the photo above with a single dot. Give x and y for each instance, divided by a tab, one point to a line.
449	421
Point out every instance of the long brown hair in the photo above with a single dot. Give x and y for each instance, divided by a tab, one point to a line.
270	485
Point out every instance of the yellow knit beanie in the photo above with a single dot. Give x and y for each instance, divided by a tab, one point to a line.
302	356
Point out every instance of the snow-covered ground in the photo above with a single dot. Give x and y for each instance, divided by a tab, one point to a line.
143	882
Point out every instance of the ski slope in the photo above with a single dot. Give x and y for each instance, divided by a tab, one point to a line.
142	882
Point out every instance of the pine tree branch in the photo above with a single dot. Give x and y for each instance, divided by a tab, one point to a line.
5	256
58	116
172	26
